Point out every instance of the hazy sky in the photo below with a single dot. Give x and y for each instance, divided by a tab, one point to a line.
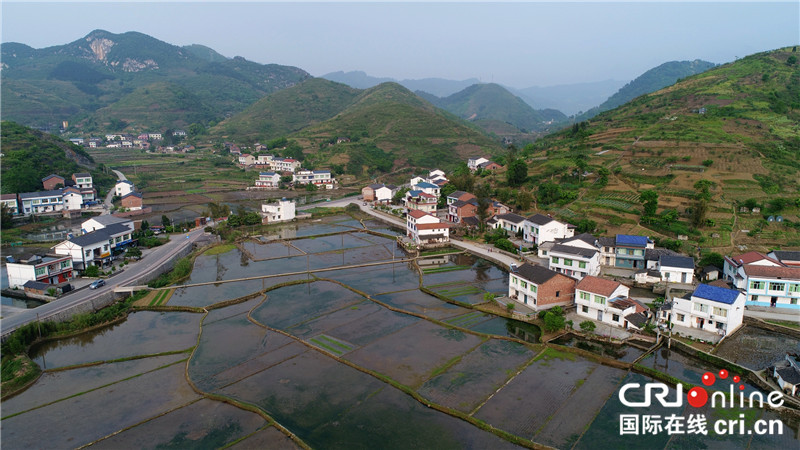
517	44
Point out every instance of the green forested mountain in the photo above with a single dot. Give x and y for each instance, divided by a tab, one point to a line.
492	102
72	81
654	79
30	155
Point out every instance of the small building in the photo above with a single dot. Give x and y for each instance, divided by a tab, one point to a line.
10	202
35	287
770	286
708	308
653	255
711	273
48	269
676	269
52	182
790	258
246	159
268	180
319	178
123	188
574	261
100	222
72	198
540	288
629	251
420	201
132	201
379	192
473	163
426	229
510	222
539	228
787	373
281	211
489	165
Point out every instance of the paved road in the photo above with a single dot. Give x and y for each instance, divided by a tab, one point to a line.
107	204
151	262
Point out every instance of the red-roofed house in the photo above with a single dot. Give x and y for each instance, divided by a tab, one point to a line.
771	286
426	229
733	269
604	301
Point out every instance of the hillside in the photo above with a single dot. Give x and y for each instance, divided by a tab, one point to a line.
390	127
440	87
654	79
708	146
288	110
30	155
72	81
570	99
494	102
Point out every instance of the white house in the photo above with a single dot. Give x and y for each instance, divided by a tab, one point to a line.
709	308
95	248
282	211
473	163
733	268
787	374
428	188
268	180
425	228
676	269
83	180
577	262
41	202
246	159
100	222
11	203
776	287
284	164
607	301
72	198
790	258
48	269
539	228
319	178
510	222
123	188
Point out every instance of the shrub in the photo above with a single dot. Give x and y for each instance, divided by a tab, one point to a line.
92	271
510	306
587	326
708	162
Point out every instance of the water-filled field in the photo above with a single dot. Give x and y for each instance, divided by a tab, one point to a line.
355	357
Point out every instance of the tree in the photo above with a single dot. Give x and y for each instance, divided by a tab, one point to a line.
91	271
524	199
587	326
649	199
399	196
463	181
483	193
703	189
712	259
586	226
311	187
6	218
145	225
446	190
134	252
165	220
554	319
698	215
517	173
548	193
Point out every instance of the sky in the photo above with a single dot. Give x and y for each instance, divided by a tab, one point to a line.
519	44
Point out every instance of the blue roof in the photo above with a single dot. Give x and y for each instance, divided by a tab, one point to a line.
627	239
414	193
269	174
717	294
322	171
425	185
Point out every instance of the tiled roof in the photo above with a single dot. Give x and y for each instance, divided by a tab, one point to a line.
717	294
53	193
535	274
109	219
585	237
540	219
8	197
653	254
792	273
471	221
632	240
681	262
784	255
37	285
82	175
456	194
101	235
597	285
570	250
510	217
425	185
750	258
52	175
431	226
607	241
132	194
375	186
638	319
415	213
268	174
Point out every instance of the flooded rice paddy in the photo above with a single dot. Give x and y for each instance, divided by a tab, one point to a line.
347	358
757	348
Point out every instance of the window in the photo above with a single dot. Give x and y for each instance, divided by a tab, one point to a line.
794	287
535	288
523	284
585	308
567	262
582	264
88	252
615	317
554	260
585	296
720	312
680	317
558	294
700	307
66	263
753	298
775	286
40	271
600	299
756	285
793	301
513	280
720	325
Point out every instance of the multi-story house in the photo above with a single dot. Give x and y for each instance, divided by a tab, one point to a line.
48	269
83	181
281	211
132	201
123	188
607	301
473	163
428	188
10	202
420	201
100	222
459	195
320	178
72	198
676	269
786	257
246	159
95	248
268	180
733	267
540	288
771	286
629	251
574	261
709	308
460	210
426	229
539	228
41	202
285	165
382	193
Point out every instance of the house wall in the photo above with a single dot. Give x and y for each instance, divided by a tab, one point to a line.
711	318
545	233
368	193
558	262
601	312
760	292
677	275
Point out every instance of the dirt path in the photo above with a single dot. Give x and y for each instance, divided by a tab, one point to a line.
733	227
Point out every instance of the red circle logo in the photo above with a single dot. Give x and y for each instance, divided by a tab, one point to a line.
741	387
708	379
736	378
723	374
697	397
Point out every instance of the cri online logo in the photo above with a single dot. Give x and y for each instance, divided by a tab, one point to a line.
698	396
